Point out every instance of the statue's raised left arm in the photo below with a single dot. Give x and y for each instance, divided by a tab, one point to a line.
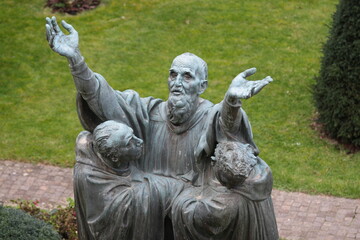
240	88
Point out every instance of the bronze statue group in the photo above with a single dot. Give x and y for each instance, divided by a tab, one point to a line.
184	168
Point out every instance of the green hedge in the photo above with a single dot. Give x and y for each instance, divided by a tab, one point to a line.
18	225
337	91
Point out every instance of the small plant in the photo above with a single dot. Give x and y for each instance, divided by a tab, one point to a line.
16	224
71	6
63	219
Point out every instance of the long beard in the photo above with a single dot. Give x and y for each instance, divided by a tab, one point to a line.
181	108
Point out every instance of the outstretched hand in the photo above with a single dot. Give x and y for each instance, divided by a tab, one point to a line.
65	45
241	88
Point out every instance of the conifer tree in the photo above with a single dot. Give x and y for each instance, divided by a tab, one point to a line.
337	88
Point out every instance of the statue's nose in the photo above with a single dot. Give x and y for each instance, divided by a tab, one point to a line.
139	141
178	80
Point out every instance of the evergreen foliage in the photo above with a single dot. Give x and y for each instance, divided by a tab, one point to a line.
16	224
63	219
337	91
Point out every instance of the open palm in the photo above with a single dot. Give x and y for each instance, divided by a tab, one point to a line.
241	88
65	45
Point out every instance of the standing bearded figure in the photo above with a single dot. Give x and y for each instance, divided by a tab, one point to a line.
180	134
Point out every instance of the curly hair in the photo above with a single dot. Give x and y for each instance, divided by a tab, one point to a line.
234	162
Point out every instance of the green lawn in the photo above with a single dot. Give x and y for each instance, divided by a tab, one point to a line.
132	44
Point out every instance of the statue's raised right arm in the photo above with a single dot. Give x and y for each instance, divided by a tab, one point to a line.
68	46
103	101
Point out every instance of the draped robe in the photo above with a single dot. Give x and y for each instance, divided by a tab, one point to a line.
181	152
116	205
214	212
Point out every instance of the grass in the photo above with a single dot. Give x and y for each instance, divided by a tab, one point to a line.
132	44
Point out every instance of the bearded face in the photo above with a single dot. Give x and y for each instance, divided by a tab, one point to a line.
186	82
181	107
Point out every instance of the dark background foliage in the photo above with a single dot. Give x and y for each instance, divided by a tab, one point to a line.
71	6
337	91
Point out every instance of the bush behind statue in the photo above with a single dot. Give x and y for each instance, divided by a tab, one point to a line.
337	91
16	224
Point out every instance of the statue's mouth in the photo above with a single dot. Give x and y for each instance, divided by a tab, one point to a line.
177	92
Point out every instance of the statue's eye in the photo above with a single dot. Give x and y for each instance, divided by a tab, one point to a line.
173	74
187	76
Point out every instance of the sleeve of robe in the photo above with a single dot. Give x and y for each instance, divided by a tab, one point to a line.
98	102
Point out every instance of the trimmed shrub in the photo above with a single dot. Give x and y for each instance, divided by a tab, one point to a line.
63	219
337	88
16	224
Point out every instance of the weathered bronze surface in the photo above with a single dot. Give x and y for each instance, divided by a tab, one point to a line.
146	167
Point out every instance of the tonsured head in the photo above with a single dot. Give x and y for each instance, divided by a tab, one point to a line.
116	143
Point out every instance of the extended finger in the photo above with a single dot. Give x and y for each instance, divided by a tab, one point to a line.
48	21
268	79
248	72
68	27
48	32
258	85
51	30
55	25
